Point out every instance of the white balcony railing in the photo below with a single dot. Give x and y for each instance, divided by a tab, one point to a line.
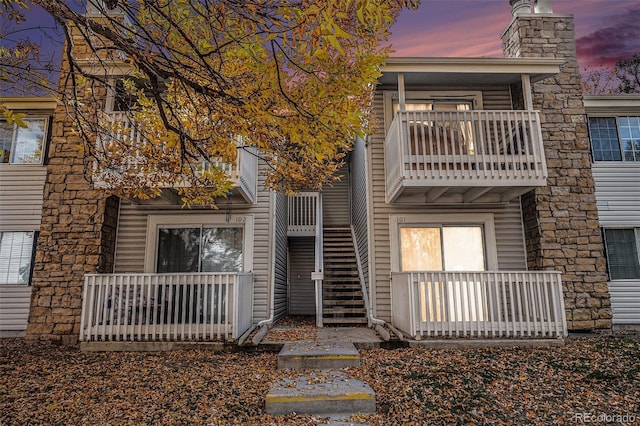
166	307
243	173
464	148
478	304
304	214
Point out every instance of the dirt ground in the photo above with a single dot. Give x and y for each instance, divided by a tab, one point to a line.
54	385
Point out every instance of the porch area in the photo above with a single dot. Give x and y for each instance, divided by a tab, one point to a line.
166	307
428	304
463	157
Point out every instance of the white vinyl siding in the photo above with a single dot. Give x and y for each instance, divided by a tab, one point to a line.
617	193
625	302
14	309
21	189
510	246
618	199
335	201
280	261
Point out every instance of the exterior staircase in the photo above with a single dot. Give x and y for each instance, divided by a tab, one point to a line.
342	298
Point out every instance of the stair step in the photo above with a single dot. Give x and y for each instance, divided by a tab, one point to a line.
326	294
342	280
332	302
320	393
343	320
326	311
317	355
332	286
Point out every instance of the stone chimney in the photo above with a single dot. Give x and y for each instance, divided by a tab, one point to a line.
562	231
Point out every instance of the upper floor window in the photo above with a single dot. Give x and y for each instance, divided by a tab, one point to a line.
23	145
615	138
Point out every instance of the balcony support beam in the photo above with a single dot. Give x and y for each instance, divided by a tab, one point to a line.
436	193
401	93
512	193
526	92
475	193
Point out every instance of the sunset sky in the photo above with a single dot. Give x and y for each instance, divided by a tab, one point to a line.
606	30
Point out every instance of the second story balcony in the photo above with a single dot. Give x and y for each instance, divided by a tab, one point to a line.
242	173
463	157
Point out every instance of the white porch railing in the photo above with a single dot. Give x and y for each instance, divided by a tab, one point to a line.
166	307
478	304
464	148
243	173
303	214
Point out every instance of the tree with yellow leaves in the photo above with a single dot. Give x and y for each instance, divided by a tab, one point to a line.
290	80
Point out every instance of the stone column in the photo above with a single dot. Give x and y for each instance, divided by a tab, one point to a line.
561	220
77	234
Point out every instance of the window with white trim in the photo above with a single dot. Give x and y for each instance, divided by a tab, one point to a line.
199	243
615	138
23	145
199	249
443	242
446	242
623	253
442	248
16	251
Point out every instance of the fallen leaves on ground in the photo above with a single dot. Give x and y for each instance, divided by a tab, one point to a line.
47	384
291	329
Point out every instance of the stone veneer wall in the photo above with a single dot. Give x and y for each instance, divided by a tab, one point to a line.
77	234
561	220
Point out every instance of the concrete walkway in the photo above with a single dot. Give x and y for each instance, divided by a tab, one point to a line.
320	388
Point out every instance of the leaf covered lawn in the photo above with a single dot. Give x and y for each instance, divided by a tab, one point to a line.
47	384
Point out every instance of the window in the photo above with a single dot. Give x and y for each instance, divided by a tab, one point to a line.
19	145
443	242
16	249
199	243
615	138
442	248
623	248
199	249
433	105
455	242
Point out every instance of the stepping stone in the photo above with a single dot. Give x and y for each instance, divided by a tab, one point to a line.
318	355
322	392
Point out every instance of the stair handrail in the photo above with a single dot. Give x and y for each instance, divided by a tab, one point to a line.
365	294
317	276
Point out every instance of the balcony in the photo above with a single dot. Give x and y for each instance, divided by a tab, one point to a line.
463	157
478	304
166	307
242	173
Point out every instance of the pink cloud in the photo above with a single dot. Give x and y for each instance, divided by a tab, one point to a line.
620	39
470	30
